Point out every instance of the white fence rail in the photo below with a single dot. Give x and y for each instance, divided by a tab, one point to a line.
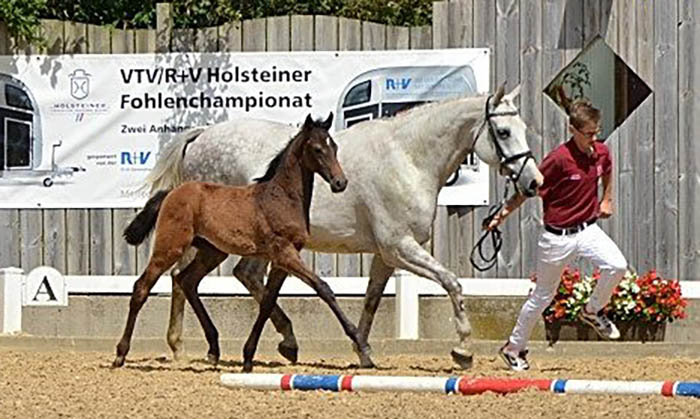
405	286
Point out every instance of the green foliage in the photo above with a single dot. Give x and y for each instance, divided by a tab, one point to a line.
193	13
117	13
22	19
202	13
22	16
398	12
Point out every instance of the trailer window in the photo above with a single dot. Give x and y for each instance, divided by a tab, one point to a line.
17	143
357	121
17	98
359	94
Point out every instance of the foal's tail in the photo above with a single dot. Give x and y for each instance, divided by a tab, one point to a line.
167	173
145	220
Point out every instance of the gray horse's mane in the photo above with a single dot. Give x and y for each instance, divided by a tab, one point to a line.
417	110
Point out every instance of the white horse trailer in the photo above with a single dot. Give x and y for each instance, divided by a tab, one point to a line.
21	140
384	92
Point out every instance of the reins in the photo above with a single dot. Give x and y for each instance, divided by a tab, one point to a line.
495	233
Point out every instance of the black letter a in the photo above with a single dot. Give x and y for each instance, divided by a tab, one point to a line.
48	291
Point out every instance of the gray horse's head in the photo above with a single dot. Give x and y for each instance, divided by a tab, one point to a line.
501	143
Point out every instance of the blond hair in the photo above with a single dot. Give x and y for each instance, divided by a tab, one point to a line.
581	112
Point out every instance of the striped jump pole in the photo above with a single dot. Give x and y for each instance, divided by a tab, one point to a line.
455	385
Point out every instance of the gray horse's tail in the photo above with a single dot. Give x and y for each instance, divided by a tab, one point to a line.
167	173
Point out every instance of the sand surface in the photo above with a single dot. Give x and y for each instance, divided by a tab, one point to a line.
46	384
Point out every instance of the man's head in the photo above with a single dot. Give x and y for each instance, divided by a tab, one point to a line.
584	124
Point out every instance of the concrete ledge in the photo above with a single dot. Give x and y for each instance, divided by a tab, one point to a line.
232	348
492	318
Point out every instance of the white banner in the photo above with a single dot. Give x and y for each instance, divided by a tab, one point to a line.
83	131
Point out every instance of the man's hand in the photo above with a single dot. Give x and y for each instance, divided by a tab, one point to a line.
495	222
606	208
511	205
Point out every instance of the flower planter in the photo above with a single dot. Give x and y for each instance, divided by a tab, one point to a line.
629	331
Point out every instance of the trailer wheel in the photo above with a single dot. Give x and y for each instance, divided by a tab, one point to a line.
48	182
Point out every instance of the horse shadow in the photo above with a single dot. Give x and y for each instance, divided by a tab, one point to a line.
198	366
165	364
274	365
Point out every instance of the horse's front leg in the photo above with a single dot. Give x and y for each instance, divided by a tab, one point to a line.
290	260
268	303
251	271
409	255
207	258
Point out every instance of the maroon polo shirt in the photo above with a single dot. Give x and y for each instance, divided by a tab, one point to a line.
570	189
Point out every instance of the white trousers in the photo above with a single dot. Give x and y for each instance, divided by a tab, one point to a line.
553	253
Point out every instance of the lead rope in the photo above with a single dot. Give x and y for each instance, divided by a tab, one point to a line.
495	234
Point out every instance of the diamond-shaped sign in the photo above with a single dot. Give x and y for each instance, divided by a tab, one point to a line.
600	75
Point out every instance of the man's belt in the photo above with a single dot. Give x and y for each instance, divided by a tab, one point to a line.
569	230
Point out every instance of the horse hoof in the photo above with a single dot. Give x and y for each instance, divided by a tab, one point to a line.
366	358
367	363
247	366
290	353
177	356
178	352
462	358
366	352
213	359
118	362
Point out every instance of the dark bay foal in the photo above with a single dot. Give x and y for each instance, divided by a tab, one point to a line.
269	219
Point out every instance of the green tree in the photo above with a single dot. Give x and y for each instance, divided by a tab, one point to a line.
22	16
22	19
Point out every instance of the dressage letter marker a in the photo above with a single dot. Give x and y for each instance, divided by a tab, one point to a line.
454	385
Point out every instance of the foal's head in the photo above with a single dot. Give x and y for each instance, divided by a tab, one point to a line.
318	152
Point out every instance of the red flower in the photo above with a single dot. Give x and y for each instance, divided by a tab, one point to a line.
654	298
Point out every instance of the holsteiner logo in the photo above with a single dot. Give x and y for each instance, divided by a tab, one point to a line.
79	84
79	90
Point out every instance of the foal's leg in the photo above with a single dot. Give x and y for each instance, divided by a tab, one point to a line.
251	271
409	255
159	263
208	257
174	233
379	275
177	306
268	303
290	260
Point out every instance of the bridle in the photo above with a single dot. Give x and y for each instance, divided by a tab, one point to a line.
504	160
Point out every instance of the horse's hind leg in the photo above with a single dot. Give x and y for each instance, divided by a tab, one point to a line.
177	306
208	257
409	255
379	275
250	271
290	261
268	303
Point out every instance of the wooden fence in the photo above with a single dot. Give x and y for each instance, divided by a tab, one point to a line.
657	175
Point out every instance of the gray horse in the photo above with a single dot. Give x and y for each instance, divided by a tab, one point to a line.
395	168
